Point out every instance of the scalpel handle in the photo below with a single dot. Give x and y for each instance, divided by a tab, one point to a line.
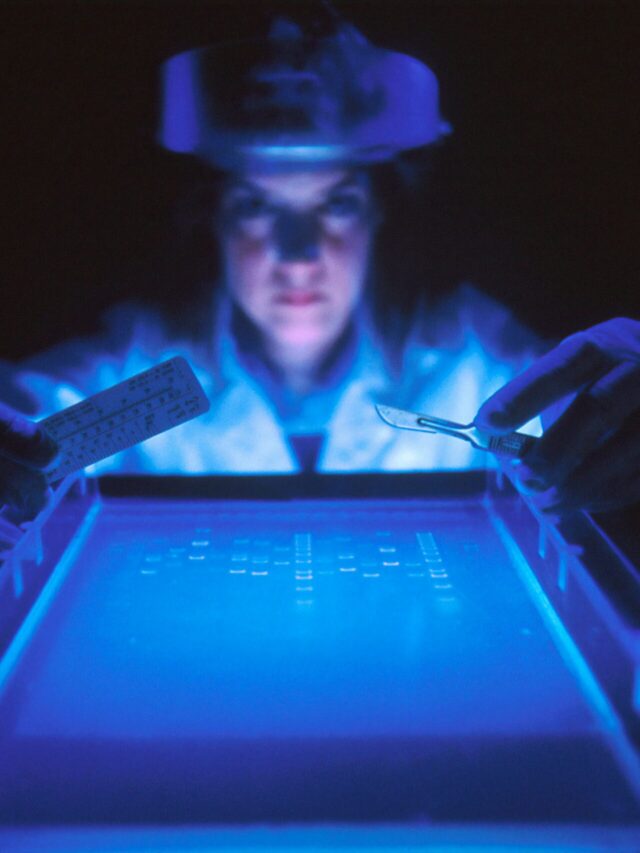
511	446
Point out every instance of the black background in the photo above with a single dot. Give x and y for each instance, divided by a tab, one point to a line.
536	189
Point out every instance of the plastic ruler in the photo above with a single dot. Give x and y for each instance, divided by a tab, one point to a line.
145	405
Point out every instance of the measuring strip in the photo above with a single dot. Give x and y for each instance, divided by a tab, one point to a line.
145	405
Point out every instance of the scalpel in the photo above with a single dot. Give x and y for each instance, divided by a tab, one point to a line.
514	445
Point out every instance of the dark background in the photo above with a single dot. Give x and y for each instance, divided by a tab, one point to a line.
535	192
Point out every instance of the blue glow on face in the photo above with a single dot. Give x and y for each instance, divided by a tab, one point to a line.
296	249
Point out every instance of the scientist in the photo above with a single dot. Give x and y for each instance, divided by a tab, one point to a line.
295	129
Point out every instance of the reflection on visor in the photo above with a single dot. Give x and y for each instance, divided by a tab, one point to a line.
299	153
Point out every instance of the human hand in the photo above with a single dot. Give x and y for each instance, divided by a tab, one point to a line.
25	451
590	456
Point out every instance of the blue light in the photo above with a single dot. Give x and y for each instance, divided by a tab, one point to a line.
297	153
180	127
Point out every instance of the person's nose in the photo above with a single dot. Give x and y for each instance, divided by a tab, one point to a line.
297	237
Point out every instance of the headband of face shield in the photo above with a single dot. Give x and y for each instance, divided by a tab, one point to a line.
288	100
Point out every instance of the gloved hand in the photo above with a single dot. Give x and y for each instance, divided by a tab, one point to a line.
25	451
590	456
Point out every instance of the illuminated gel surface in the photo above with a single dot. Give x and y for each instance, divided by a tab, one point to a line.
257	661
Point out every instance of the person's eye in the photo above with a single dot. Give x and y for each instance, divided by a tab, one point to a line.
249	208
346	205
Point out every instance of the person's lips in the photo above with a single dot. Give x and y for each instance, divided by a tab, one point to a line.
299	298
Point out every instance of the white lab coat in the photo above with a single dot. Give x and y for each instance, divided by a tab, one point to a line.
472	351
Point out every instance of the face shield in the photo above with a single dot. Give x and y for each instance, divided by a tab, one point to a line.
290	102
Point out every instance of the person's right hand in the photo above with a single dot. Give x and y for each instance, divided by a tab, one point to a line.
25	452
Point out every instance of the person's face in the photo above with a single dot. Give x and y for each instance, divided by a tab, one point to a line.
296	249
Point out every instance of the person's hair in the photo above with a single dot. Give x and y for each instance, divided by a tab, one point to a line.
401	188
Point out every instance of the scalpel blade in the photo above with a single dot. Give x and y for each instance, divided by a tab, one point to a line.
513	445
402	419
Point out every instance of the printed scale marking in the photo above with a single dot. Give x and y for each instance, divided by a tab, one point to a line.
145	405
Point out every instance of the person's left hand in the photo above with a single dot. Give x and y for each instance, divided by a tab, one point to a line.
589	457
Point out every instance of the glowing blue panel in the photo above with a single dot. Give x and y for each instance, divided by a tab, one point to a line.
324	624
320	660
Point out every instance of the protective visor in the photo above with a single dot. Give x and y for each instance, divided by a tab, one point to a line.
292	101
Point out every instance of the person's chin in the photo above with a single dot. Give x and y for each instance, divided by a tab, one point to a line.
303	334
